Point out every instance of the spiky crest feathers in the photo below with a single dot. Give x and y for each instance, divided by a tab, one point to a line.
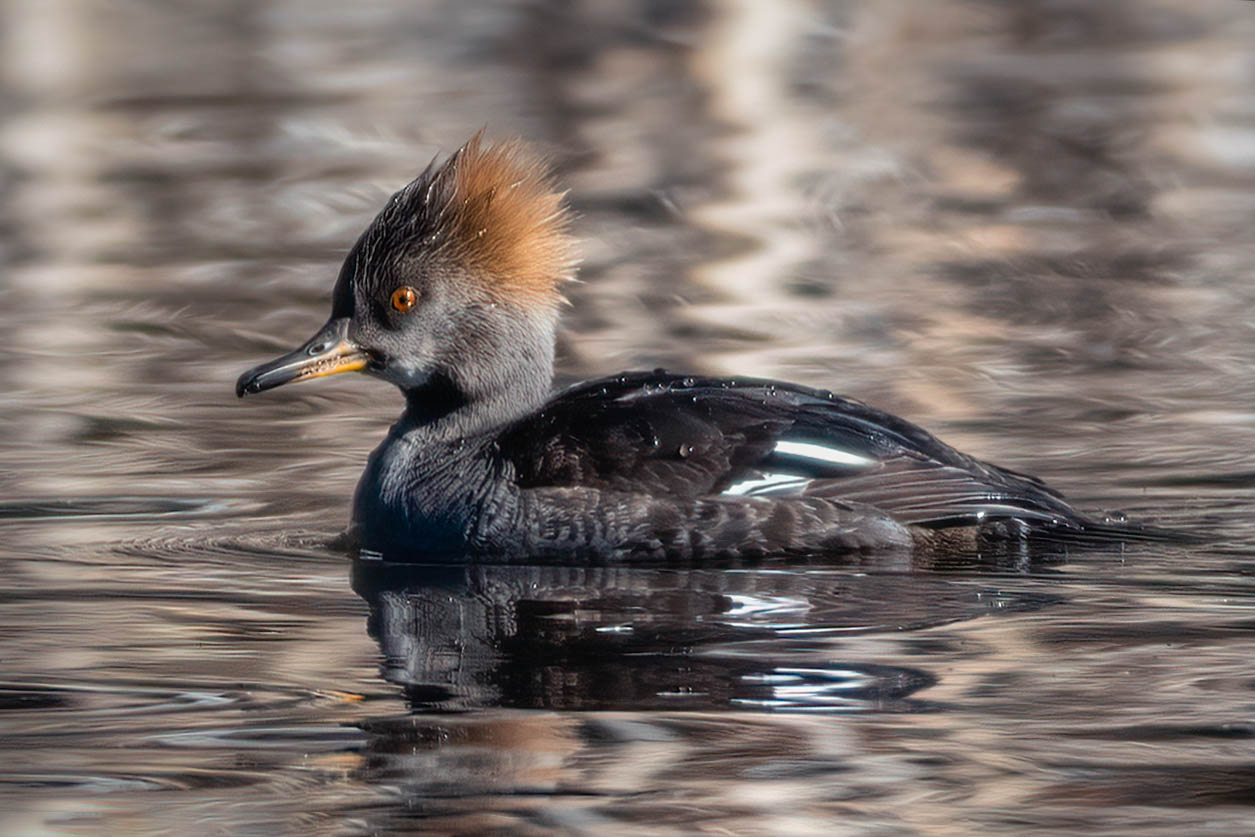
493	211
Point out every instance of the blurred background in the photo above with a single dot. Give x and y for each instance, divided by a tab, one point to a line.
1025	226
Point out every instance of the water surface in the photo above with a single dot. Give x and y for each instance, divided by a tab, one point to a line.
1025	226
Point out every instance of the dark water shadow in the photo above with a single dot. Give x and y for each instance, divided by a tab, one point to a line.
647	638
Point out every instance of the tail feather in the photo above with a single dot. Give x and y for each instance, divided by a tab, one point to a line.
1115	529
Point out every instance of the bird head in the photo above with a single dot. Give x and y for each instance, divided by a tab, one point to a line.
454	287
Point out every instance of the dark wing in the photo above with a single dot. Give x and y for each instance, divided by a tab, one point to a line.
650	432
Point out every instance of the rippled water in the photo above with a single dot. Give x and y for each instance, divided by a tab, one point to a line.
1023	225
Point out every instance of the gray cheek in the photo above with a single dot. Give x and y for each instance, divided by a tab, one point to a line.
405	373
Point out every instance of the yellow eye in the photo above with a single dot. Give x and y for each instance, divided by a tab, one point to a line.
404	298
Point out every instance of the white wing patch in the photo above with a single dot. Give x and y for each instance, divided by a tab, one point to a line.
768	484
821	453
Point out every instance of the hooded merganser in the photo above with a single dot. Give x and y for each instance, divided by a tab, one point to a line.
452	294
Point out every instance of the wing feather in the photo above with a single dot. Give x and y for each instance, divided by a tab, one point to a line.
693	437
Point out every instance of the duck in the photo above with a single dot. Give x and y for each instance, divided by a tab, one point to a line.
453	294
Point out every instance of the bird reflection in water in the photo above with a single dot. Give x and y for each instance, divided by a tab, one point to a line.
640	638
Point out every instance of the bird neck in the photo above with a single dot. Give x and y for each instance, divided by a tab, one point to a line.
440	465
503	386
425	484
